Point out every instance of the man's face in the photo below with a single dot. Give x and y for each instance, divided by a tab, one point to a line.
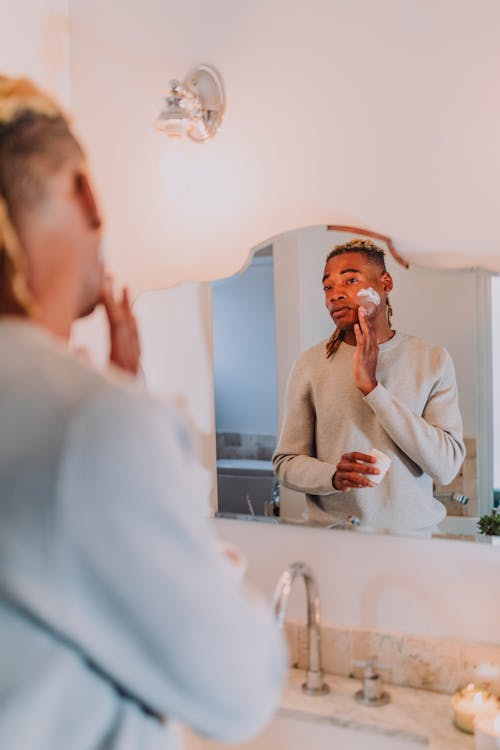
90	234
344	277
61	236
71	255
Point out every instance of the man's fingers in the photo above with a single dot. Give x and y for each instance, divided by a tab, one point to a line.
358	467
108	298
352	479
357	456
364	322
126	301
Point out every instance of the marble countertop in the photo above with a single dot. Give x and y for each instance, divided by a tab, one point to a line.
419	716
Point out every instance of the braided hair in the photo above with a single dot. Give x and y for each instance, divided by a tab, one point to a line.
34	140
374	254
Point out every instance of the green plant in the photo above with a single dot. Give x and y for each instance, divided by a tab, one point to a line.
489	525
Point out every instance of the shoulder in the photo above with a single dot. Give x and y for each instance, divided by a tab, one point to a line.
130	439
312	358
42	374
435	356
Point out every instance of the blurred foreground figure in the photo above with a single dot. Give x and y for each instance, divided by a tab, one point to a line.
118	612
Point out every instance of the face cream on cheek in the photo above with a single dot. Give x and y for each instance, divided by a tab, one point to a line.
369	299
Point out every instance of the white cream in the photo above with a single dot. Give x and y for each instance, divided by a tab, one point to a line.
369	299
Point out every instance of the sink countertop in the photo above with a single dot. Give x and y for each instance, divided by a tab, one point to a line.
419	716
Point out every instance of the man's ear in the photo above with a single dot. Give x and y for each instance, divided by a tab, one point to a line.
85	196
387	282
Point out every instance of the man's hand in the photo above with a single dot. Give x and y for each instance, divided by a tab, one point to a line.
351	470
125	350
366	354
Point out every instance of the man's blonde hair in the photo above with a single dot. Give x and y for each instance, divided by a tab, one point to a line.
34	140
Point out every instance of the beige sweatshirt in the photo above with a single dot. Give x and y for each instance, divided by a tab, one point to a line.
412	416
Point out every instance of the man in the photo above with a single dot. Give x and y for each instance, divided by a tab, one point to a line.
369	387
118	612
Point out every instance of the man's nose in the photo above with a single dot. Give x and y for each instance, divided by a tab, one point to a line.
335	294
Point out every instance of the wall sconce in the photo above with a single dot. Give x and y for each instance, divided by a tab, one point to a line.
194	107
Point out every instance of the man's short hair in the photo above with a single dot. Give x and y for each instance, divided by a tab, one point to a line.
372	252
32	147
35	141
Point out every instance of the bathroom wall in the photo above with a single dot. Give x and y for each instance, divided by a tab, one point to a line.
334	114
437	587
34	42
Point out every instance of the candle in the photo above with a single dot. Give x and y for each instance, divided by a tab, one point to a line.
470	702
488	732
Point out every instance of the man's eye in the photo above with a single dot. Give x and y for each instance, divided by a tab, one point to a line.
326	288
352	280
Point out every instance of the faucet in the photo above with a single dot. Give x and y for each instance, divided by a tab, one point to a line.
459	497
314	684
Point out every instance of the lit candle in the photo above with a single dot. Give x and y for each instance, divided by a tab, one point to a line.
470	702
488	732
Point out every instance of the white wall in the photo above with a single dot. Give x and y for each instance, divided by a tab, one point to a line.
367	113
423	587
244	351
34	42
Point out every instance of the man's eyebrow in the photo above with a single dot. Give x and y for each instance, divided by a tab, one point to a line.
346	270
350	270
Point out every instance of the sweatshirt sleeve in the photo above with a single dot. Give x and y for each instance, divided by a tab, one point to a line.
434	439
294	462
150	599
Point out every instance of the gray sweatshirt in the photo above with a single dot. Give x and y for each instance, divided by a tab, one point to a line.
412	416
116	603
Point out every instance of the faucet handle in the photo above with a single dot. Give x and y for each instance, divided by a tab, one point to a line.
371	666
372	692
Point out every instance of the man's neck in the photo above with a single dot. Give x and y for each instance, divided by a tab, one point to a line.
382	330
54	310
56	324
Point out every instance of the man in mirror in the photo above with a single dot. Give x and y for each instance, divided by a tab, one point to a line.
369	387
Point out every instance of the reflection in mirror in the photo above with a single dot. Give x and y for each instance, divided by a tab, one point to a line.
265	317
245	386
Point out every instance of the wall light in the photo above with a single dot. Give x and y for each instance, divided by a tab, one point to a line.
194	107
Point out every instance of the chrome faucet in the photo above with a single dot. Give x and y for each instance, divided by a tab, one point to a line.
459	497
314	684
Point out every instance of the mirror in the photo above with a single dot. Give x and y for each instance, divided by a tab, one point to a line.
266	316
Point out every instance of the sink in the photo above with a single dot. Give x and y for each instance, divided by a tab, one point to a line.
291	733
466	525
413	719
